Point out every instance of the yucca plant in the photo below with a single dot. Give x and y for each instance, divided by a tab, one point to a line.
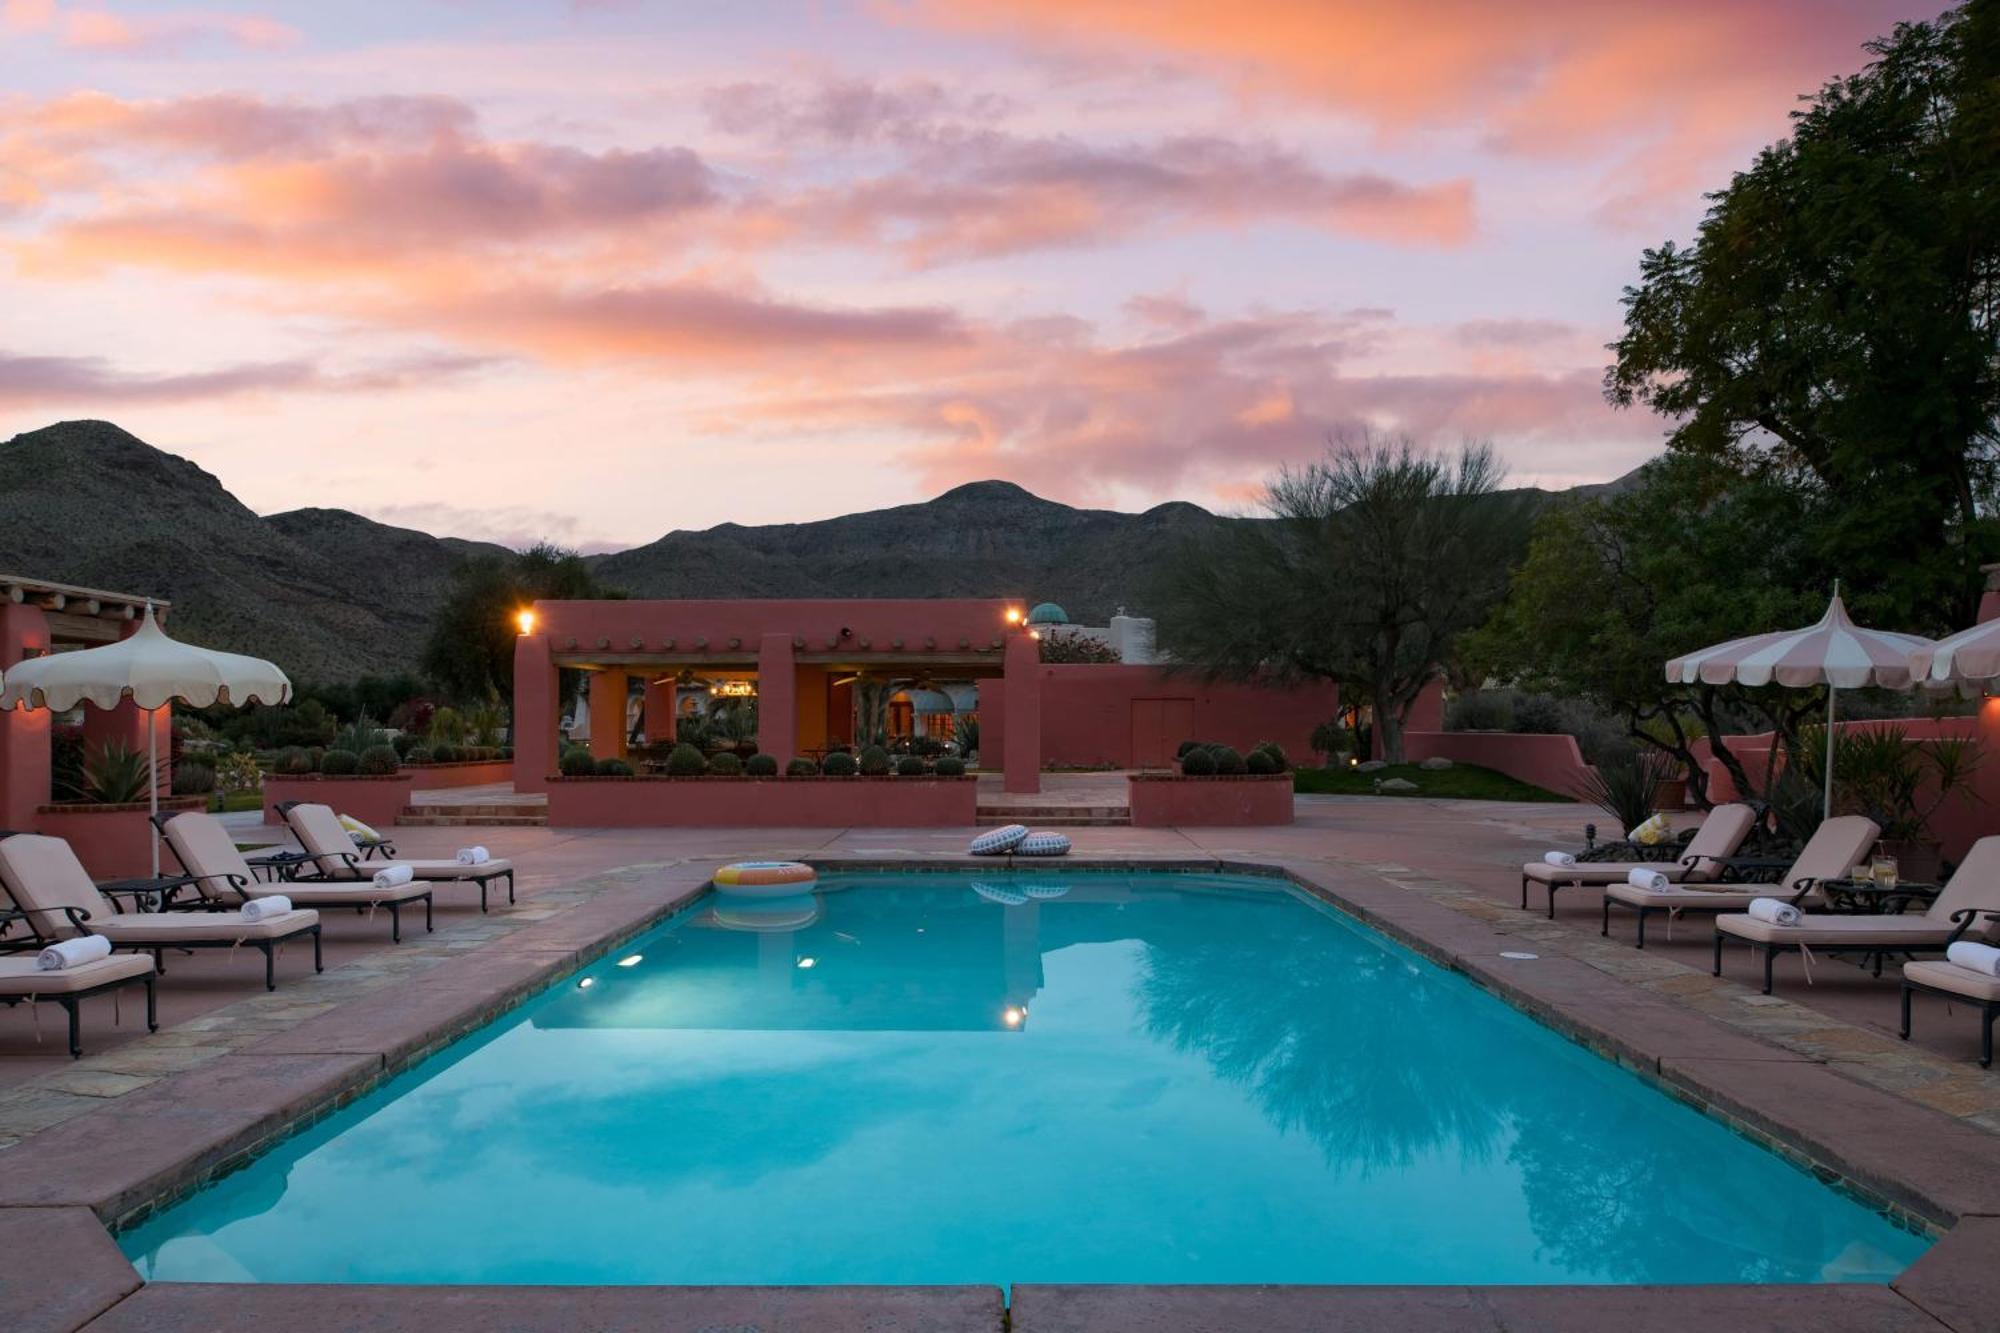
1628	789
115	774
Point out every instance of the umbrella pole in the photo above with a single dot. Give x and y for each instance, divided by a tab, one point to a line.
1827	809
153	782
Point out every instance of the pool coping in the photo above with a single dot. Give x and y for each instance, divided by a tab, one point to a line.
63	1191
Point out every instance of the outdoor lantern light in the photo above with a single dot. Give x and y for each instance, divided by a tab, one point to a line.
1013	1016
1013	615
526	620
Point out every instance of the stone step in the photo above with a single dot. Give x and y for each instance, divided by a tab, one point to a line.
472	821
1021	814
1056	821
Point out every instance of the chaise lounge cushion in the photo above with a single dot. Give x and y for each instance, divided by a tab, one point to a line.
1732	899
319	831
206	849
1595	872
1719	836
19	976
43	877
1955	980
1829	930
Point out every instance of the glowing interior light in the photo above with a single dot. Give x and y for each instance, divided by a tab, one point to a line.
1013	615
1012	1016
632	960
586	983
526	620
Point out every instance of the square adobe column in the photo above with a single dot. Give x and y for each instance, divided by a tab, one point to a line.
1022	685
537	712
659	714
609	691
777	697
24	732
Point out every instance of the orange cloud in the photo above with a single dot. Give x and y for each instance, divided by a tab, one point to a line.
1545	78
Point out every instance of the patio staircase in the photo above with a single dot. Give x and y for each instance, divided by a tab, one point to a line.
1054	816
471	814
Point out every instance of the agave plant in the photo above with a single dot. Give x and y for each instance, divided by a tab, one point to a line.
1628	790
115	774
1880	772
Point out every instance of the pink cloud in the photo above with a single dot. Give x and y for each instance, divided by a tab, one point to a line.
99	29
35	380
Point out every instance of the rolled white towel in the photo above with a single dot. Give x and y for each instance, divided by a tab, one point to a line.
258	909
1564	859
72	953
473	856
1775	911
1648	879
393	874
1982	958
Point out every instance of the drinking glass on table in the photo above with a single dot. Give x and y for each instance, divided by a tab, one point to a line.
1884	871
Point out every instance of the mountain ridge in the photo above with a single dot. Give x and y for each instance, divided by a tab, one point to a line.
330	594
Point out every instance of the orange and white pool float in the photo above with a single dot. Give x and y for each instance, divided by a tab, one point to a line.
764	879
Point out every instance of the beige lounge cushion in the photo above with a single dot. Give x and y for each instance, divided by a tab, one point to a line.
1596	872
1955	979
19	976
1732	899
205	848
1845	932
43	877
146	929
454	870
305	893
1975	884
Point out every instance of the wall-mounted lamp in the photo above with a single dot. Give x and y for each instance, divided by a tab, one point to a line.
1013	615
525	619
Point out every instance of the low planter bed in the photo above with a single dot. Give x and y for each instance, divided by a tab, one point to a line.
376	800
658	801
112	841
1168	800
460	773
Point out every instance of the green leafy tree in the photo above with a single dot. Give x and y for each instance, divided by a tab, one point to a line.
470	651
1834	322
1613	588
1377	559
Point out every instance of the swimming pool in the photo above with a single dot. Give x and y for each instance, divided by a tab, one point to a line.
1046	1077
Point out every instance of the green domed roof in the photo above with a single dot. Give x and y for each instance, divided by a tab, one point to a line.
1048	613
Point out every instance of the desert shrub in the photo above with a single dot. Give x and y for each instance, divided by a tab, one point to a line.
379	760
1276	753
447	727
1480	710
406	741
761	765
577	763
1540	714
445	752
239	772
1182	750
194	777
910	766
840	764
1259	762
115	774
686	761
1198	763
1228	761
801	767
613	768
418	754
950	766
292	761
340	763
358	735
725	765
874	761
506	752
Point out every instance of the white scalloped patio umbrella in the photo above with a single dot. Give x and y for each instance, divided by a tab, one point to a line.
152	670
1969	657
1835	652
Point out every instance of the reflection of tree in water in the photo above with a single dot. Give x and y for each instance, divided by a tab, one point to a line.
1345	1044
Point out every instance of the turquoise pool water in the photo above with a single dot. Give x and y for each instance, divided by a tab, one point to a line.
953	1078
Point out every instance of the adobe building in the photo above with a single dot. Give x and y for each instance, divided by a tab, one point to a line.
802	661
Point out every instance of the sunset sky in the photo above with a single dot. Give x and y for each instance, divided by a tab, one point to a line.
593	271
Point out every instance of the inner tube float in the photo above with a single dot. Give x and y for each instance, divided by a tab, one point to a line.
764	916
1000	841
764	879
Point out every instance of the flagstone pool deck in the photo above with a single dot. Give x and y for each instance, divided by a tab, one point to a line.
1816	1071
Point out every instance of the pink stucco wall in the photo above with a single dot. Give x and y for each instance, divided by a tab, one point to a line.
646	802
1551	762
1167	802
474	773
375	801
112	841
1088	714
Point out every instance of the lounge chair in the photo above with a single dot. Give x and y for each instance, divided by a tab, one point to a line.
334	855
1713	843
22	982
1973	892
1829	854
49	885
224	879
1956	983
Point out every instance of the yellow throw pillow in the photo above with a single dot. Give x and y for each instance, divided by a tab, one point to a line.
357	829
